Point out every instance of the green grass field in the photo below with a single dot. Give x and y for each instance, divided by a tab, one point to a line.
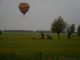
22	43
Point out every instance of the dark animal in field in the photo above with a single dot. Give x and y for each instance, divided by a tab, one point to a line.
33	38
49	37
42	36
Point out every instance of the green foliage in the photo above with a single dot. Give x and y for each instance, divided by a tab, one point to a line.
72	28
58	25
0	32
78	30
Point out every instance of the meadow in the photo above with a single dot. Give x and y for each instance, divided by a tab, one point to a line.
22	46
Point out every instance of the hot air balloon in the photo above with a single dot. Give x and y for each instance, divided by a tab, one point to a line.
24	7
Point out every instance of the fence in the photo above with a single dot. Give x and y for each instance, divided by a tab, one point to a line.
39	56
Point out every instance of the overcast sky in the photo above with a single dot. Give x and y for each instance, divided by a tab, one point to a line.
40	15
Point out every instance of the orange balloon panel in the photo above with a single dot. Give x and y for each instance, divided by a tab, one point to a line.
24	7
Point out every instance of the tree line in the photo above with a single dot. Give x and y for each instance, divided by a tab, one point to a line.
59	26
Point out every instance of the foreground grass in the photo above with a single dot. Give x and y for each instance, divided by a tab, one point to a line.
22	43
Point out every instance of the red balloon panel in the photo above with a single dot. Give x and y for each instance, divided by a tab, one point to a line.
24	7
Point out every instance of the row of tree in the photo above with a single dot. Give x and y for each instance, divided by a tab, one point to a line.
0	32
60	26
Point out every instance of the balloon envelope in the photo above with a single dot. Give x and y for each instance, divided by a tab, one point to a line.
24	7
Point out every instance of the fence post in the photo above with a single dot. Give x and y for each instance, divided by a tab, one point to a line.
40	55
52	57
46	57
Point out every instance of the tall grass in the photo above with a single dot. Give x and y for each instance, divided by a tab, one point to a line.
21	46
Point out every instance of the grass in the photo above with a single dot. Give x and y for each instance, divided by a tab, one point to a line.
22	43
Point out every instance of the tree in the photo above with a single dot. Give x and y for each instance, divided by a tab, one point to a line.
58	26
70	30
78	30
0	32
